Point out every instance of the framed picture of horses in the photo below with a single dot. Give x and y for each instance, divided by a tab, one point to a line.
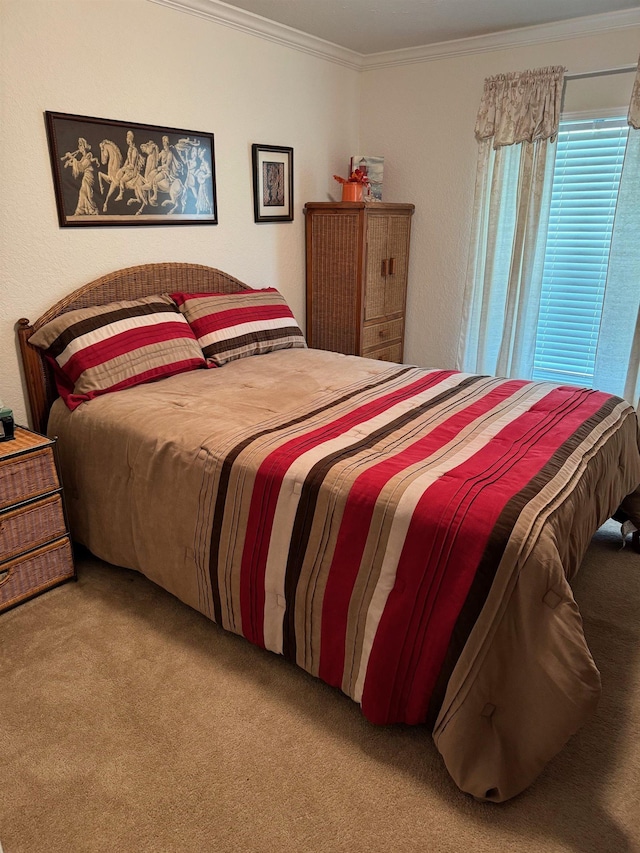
124	173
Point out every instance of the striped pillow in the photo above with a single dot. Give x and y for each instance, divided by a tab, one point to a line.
110	347
235	325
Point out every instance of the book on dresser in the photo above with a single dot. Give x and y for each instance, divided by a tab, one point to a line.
35	547
357	258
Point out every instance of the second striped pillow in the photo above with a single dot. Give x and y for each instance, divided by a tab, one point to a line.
229	326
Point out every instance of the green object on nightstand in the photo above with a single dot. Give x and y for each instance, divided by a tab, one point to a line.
6	423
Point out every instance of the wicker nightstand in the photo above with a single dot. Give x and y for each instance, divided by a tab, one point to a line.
35	549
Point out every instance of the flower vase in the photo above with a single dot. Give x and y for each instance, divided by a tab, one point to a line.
352	191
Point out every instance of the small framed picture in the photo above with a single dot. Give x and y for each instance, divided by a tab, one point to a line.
272	183
108	172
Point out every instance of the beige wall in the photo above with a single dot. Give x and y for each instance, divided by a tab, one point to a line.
421	118
137	61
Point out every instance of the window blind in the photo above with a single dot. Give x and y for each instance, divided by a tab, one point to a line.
589	158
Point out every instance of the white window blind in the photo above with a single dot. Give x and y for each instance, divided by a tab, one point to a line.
586	178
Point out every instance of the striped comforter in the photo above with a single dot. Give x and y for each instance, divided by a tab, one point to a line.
351	539
362	519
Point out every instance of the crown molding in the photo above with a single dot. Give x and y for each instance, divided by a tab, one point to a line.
558	31
247	22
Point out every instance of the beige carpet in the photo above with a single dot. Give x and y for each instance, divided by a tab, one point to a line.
130	723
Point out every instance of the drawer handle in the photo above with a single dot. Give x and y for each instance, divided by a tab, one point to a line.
4	576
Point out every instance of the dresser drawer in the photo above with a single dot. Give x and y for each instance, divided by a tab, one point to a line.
26	477
381	333
29	526
392	353
35	572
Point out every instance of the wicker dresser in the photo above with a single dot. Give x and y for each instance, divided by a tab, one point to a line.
35	550
357	263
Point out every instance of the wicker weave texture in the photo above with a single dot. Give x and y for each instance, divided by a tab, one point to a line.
22	441
387	238
398	248
29	526
23	478
375	280
398	237
144	280
35	572
335	277
382	333
392	353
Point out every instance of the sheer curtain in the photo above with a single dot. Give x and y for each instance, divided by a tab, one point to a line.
516	129
617	367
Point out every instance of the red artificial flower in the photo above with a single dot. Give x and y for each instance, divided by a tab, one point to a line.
356	177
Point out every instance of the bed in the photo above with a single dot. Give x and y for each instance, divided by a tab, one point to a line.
406	535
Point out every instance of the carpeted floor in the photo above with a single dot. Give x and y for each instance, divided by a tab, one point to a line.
130	723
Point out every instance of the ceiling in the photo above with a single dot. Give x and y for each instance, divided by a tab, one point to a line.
373	26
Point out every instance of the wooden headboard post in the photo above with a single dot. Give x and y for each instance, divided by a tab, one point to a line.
128	283
38	377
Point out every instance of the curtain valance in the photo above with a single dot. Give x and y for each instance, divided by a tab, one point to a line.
523	106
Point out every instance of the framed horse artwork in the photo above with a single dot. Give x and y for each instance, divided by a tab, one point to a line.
124	173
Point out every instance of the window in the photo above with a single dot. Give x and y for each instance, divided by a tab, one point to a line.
586	178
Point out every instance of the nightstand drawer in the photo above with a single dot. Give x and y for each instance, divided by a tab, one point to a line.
35	572
29	526
381	333
26	476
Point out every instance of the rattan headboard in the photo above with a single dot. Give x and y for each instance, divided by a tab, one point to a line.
129	283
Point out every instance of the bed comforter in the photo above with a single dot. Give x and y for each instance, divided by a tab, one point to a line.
406	535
